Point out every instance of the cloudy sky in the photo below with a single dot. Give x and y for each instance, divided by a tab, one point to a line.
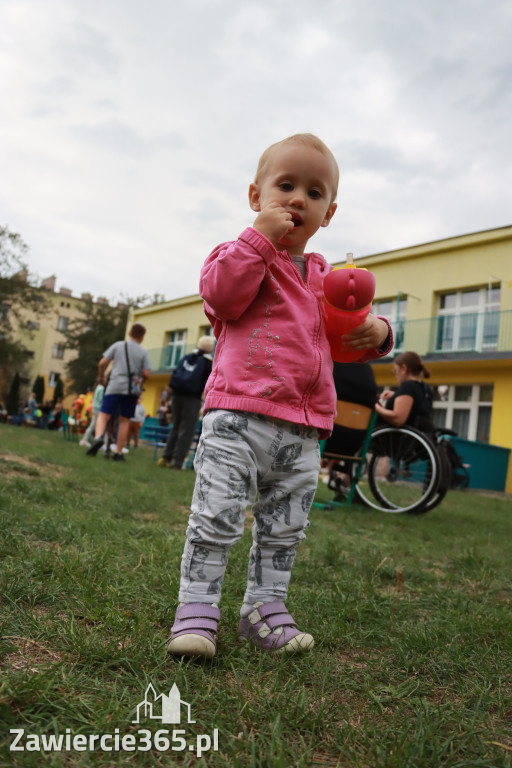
130	130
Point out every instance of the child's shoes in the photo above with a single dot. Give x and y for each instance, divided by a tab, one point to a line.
271	628
194	631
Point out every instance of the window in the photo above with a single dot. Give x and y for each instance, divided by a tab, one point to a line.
483	425
58	351
394	310
5	310
32	325
469	320
206	330
175	348
62	323
465	408
53	379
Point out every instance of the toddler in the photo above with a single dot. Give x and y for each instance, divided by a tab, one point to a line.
268	401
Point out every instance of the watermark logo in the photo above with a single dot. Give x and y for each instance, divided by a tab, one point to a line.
162	707
168	709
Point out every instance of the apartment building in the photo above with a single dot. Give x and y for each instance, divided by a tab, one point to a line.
43	337
451	302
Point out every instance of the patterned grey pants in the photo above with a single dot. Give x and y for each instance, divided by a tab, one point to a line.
240	457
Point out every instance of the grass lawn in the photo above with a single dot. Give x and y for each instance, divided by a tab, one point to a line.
411	616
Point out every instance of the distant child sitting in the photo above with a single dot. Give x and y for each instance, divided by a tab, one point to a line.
269	399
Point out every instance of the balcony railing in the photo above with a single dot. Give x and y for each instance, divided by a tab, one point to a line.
481	332
165	359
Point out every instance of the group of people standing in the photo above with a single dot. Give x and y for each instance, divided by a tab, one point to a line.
30	413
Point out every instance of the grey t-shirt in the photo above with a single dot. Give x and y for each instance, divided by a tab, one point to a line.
118	383
300	263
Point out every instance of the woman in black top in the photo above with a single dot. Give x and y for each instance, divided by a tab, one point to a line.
411	403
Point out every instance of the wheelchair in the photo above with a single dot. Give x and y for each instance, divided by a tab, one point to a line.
396	470
390	469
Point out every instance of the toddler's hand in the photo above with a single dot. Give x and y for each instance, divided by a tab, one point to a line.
369	335
274	222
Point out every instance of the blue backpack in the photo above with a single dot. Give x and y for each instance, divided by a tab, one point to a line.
188	378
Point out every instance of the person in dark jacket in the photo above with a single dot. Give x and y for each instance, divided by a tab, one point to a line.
355	385
187	385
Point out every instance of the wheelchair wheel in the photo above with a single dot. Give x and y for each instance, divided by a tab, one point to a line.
402	471
443	484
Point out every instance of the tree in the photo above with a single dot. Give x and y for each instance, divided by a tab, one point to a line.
18	297
58	392
38	389
90	335
13	398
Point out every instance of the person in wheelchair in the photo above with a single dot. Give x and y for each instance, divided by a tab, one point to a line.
398	466
411	403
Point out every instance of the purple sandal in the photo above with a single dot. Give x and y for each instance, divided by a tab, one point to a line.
194	630
270	627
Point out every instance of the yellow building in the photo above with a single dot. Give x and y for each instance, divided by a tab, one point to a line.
450	301
172	330
43	337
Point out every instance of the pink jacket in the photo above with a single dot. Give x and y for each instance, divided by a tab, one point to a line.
272	355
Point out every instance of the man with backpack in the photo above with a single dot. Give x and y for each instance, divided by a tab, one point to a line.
187	384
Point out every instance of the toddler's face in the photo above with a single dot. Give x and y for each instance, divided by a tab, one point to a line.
301	180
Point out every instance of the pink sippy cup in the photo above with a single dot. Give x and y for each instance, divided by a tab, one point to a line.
348	293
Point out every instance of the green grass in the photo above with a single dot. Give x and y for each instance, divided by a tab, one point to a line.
411	616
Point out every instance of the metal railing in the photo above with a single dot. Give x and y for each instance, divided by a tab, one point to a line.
481	332
165	359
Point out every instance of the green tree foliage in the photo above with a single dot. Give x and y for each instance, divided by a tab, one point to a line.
92	334
18	297
58	392
38	389
13	398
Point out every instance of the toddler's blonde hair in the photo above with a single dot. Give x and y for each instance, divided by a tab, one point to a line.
309	139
